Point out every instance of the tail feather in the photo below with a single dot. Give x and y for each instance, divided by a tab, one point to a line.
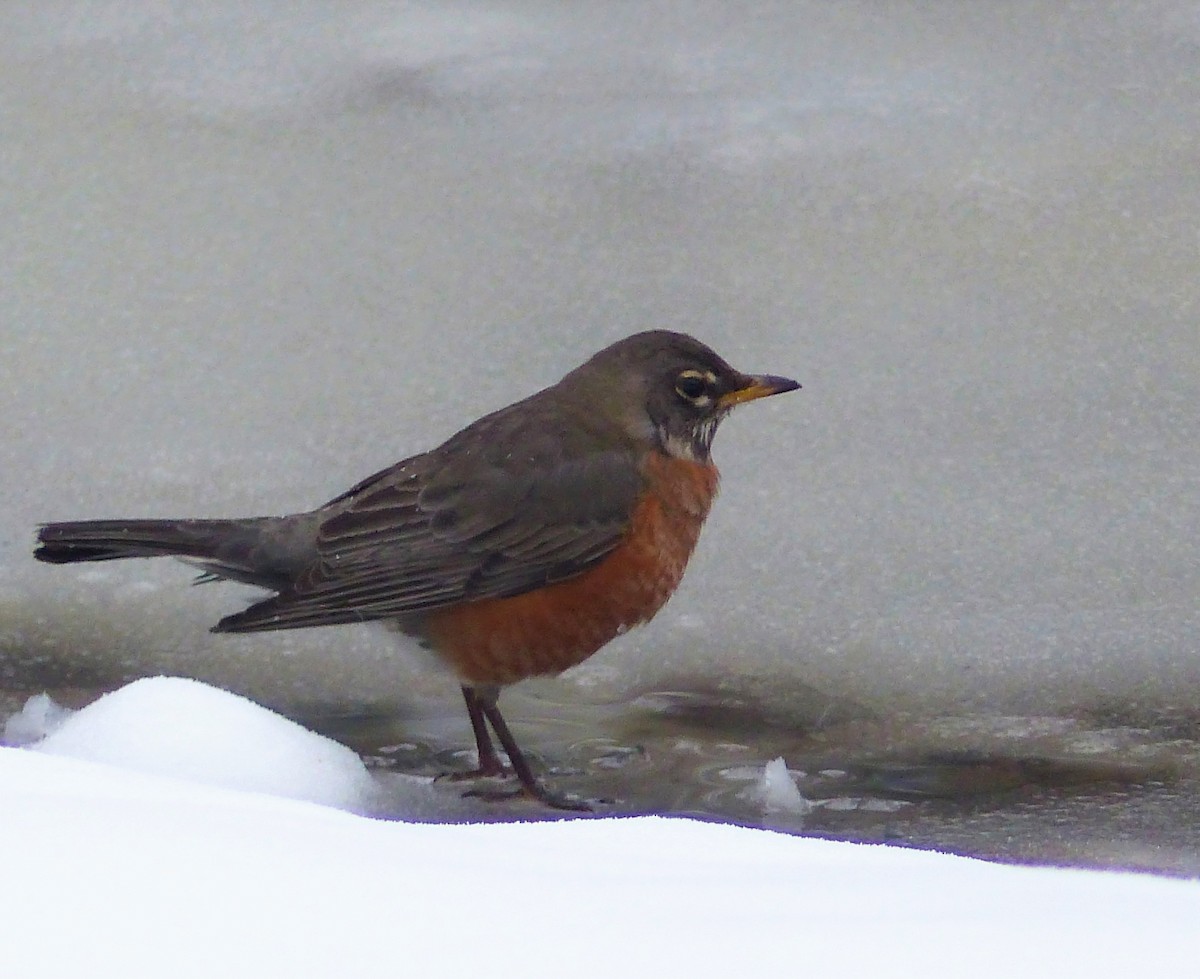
250	550
107	540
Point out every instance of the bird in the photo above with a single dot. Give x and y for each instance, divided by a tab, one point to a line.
517	548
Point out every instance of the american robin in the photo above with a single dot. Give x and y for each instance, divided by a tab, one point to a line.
517	548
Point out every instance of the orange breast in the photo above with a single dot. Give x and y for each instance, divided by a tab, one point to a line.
502	640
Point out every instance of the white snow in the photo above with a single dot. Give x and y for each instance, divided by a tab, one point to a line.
113	871
179	727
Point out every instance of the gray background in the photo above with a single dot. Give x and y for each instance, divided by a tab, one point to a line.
251	252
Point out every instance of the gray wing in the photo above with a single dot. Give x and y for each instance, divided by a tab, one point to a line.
449	527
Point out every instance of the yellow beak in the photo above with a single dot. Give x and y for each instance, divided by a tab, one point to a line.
757	386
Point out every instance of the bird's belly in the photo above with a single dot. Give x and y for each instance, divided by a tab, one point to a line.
549	629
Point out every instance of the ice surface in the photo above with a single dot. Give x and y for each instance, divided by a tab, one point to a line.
252	252
174	726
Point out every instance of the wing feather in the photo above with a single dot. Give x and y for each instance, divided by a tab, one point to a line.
448	527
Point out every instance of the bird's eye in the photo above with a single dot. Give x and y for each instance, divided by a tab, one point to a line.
693	386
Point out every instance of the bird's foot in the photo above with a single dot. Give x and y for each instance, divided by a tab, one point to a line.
483	771
536	793
554	800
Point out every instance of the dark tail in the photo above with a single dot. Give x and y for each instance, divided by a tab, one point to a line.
259	550
107	540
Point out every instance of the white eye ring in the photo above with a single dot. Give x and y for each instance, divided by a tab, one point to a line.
693	386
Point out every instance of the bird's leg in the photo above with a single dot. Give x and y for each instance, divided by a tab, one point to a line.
485	700
482	710
489	762
490	765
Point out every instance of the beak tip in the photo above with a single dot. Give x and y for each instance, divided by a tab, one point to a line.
777	385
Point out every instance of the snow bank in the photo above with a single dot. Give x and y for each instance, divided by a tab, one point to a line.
115	871
185	729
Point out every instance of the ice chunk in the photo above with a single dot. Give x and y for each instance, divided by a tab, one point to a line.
183	728
777	792
40	716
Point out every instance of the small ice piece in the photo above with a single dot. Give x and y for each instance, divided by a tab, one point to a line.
777	792
39	717
186	729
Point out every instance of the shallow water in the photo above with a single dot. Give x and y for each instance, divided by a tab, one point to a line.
1083	792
